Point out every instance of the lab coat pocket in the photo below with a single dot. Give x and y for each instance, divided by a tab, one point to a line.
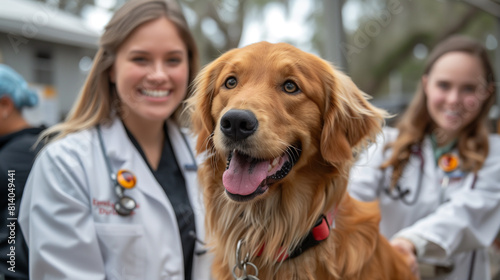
123	250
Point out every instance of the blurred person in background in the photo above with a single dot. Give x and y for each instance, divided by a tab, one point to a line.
114	194
17	154
436	174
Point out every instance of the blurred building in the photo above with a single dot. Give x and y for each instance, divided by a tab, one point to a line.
51	49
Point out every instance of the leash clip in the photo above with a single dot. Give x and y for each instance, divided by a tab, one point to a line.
242	264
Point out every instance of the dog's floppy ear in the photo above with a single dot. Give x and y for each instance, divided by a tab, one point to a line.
200	104
349	119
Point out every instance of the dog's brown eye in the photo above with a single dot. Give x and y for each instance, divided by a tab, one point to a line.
290	87
230	82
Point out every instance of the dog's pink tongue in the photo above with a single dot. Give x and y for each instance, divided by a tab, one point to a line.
244	176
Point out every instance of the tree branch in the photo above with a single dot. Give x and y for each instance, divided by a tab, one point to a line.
395	58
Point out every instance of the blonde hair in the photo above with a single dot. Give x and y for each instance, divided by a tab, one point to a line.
416	122
98	98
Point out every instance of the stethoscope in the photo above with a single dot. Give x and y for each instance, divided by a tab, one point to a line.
449	163
125	179
398	193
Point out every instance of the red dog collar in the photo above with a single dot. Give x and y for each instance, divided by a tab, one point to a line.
316	235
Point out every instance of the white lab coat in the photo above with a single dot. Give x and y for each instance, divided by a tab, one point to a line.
68	220
456	218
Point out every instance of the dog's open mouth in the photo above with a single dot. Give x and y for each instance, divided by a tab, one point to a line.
246	177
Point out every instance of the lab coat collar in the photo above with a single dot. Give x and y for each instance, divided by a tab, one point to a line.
187	162
183	153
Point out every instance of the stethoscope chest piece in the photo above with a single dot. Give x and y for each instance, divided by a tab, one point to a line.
125	205
124	180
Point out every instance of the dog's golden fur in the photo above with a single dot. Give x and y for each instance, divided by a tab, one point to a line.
328	119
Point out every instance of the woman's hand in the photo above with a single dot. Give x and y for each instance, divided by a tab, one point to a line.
407	248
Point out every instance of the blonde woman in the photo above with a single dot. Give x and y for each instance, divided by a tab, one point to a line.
436	175
114	193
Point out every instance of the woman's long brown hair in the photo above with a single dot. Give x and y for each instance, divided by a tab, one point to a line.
416	122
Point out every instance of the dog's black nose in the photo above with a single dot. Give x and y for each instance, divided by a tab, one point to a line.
238	124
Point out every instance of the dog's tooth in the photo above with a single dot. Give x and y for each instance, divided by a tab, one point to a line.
272	164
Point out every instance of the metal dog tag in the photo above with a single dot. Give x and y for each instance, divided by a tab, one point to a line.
245	275
242	265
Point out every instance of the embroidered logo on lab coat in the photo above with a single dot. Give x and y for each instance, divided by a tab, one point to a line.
107	207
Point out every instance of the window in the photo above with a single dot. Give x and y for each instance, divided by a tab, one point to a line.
43	68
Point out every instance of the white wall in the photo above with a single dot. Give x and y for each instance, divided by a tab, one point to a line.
67	76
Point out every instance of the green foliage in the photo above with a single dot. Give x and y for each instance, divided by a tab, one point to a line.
383	43
391	42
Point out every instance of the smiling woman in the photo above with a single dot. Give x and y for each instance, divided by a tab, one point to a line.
117	180
436	174
151	77
455	90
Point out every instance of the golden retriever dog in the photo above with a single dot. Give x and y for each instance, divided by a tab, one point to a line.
280	128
